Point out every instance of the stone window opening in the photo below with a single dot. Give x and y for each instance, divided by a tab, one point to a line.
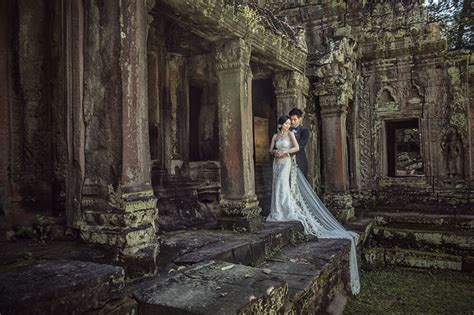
403	148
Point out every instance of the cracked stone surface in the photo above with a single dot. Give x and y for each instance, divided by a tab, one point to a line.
212	287
59	287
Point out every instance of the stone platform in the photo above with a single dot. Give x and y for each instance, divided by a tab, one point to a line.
201	272
301	278
276	269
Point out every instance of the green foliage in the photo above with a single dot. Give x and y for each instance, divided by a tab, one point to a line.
43	227
40	231
409	291
456	19
25	232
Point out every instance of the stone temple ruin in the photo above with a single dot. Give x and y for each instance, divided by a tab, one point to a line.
134	138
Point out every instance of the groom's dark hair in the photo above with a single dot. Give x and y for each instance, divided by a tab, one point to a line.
296	112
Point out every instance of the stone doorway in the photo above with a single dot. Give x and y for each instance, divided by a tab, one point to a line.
264	123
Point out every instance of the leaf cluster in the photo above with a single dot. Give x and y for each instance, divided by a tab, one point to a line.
456	19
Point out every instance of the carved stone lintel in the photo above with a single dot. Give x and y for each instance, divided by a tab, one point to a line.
290	81
232	54
330	106
291	90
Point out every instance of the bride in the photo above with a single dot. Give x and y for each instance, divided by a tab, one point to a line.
294	200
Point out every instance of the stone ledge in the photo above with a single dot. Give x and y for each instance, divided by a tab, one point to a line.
59	287
212	287
315	272
449	242
189	247
424	219
377	257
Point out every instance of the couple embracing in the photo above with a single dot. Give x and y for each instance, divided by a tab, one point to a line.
293	198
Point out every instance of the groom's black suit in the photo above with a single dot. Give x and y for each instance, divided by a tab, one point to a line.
301	134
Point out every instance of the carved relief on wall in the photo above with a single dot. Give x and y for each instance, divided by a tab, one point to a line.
386	100
453	154
363	133
232	54
457	101
415	98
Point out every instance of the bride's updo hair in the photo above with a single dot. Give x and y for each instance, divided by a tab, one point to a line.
282	120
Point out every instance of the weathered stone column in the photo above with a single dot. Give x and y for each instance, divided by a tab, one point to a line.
126	218
291	90
337	196
239	204
334	75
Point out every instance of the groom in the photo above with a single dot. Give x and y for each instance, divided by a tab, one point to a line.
301	134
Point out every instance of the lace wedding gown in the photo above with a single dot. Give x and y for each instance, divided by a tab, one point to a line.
293	199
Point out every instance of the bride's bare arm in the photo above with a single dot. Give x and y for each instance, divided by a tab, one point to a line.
295	147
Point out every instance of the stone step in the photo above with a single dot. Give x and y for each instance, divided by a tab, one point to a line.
193	246
60	287
363	226
457	242
440	221
301	279
212	287
315	271
378	257
420	206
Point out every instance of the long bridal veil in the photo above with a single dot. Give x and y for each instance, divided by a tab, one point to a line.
320	222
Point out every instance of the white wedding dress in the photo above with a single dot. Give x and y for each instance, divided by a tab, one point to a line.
293	199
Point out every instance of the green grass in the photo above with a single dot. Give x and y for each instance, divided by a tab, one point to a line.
409	291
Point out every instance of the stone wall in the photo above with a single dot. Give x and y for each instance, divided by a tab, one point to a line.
33	101
397	68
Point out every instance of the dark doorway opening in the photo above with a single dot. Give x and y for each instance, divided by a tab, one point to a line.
195	97
403	148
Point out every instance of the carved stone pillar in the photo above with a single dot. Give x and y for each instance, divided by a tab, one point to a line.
239	204
118	201
291	90
337	196
334	76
